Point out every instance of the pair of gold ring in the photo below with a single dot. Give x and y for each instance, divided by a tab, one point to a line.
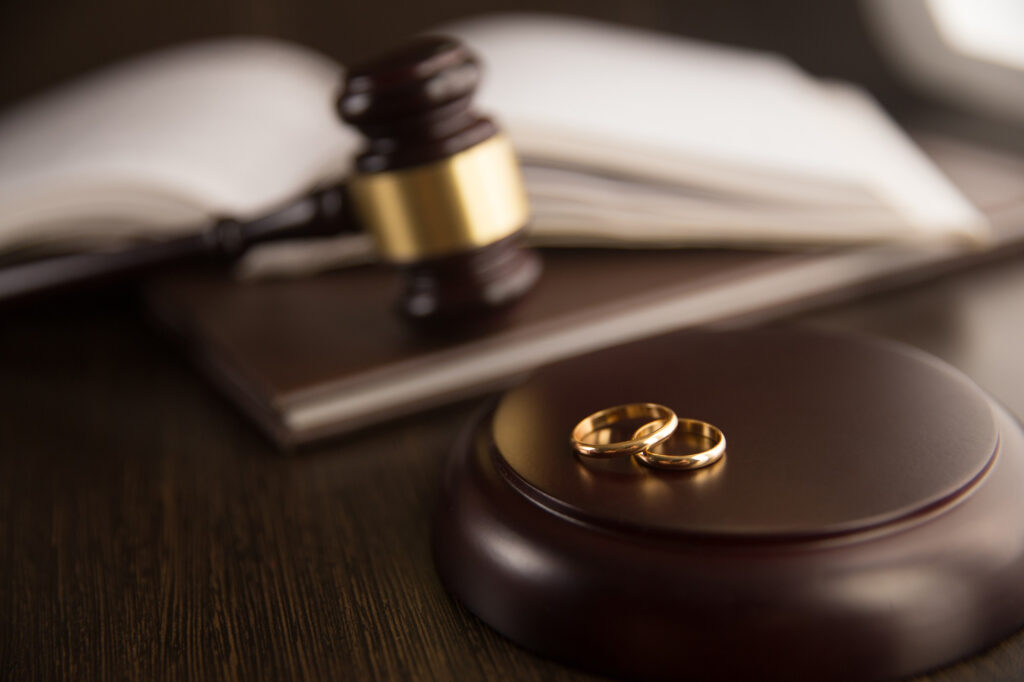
651	443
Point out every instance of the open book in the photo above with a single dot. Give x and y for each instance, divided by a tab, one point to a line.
627	138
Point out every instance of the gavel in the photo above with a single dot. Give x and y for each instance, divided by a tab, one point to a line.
437	185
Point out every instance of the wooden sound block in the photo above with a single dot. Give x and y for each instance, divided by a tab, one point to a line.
866	521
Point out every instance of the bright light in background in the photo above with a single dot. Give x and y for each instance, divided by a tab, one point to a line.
991	30
969	52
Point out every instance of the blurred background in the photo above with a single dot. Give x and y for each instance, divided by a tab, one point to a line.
47	42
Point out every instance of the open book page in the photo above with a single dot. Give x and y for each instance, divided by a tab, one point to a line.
902	175
904	196
170	141
668	110
628	138
572	207
654	106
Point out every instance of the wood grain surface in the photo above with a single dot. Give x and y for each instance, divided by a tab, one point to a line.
147	532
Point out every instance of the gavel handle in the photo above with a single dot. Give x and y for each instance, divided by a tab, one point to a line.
323	213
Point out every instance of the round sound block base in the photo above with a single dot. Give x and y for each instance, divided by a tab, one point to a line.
867	520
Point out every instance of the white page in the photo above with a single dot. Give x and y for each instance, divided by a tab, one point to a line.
646	93
237	127
667	107
166	142
902	175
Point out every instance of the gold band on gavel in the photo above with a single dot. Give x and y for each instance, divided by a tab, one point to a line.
468	200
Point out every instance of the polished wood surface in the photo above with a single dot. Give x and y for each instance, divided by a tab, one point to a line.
827	434
599	584
149	533
413	104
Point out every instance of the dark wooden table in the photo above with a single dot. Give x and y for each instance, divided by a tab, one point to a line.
149	533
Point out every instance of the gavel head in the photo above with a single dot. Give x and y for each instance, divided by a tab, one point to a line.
437	184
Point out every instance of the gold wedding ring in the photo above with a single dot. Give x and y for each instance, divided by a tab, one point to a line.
704	443
588	434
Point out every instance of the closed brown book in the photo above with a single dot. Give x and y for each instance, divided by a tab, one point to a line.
317	357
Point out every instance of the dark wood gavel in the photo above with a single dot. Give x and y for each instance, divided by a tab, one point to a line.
437	186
